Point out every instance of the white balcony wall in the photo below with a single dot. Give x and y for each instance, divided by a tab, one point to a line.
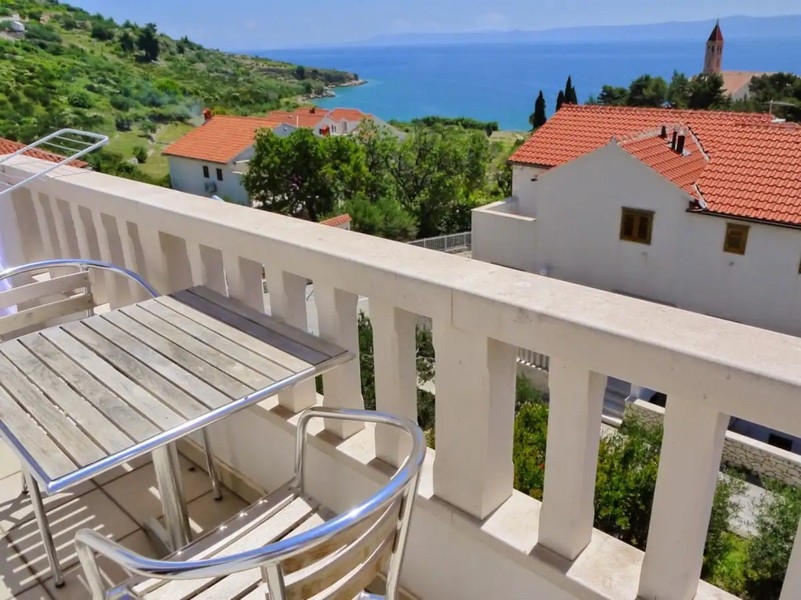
472	536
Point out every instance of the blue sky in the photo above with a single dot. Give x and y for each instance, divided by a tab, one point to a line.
259	24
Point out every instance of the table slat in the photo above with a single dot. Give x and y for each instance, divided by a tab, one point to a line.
131	393
276	355
198	388
296	350
203	351
75	443
123	417
91	420
172	396
53	461
272	370
209	373
312	342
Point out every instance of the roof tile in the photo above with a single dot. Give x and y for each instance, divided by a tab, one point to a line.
221	139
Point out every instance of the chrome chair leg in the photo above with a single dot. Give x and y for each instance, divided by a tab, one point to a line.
44	530
24	483
216	486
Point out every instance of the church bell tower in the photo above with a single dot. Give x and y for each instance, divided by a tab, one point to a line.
713	60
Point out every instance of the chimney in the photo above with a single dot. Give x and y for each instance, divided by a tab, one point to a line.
663	135
313	110
680	144
207	115
673	141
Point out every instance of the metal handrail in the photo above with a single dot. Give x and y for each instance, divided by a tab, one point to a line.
43	265
402	484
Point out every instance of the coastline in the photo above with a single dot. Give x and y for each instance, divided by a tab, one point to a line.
330	90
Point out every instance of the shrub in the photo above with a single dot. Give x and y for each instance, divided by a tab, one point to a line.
769	551
102	31
80	99
122	103
140	154
123	123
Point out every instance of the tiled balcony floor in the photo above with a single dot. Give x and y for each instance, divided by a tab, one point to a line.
115	504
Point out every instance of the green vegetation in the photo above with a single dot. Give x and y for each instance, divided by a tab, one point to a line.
419	184
488	127
538	117
75	69
707	92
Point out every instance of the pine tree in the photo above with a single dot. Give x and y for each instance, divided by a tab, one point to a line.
560	100
538	118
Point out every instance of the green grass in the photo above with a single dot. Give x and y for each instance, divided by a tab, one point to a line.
124	142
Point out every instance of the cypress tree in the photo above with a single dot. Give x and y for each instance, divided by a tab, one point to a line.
560	100
570	91
538	118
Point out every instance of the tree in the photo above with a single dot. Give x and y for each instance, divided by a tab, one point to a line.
678	90
560	100
148	42
384	218
127	42
300	72
140	154
538	117
647	91
613	96
707	91
102	31
570	92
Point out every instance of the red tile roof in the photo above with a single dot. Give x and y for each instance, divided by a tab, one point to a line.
9	147
756	173
221	139
736	164
337	221
682	169
349	114
576	130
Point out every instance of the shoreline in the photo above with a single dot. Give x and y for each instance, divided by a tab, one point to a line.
330	90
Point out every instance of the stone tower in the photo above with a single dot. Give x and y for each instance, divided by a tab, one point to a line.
713	60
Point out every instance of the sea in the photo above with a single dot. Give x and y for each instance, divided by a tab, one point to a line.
499	82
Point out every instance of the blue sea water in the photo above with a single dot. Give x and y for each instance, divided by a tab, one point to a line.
499	82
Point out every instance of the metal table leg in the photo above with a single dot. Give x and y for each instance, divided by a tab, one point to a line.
44	530
175	533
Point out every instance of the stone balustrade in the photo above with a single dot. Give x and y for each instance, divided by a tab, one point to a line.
484	535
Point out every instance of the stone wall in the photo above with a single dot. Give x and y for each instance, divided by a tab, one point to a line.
738	450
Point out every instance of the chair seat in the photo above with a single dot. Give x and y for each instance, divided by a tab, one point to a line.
273	518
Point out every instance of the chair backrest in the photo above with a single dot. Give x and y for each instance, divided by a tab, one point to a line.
53	291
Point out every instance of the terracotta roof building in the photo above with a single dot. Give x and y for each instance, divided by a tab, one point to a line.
736	83
9	147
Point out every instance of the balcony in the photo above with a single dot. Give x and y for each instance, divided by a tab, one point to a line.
473	536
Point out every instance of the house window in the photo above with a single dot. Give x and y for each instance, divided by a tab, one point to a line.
736	238
219	175
205	171
636	225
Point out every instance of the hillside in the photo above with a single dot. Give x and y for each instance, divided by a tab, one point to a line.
142	88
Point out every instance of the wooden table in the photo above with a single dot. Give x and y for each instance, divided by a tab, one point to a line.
81	398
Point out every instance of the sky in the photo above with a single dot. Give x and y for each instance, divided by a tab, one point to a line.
268	24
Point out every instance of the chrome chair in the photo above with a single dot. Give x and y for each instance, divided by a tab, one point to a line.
286	545
41	303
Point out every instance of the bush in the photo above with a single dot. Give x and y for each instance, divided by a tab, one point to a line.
122	103
769	551
80	99
123	123
102	31
140	154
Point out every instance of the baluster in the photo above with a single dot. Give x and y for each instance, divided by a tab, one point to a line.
44	218
337	317
88	248
791	590
213	270
475	379
685	486
288	303
244	280
394	356
118	287
574	428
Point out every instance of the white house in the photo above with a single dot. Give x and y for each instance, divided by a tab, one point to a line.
210	160
696	209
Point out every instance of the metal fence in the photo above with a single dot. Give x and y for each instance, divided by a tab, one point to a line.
534	359
455	242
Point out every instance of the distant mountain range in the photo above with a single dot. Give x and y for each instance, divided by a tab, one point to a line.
734	27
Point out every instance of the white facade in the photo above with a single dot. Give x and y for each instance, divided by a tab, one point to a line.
575	236
223	180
